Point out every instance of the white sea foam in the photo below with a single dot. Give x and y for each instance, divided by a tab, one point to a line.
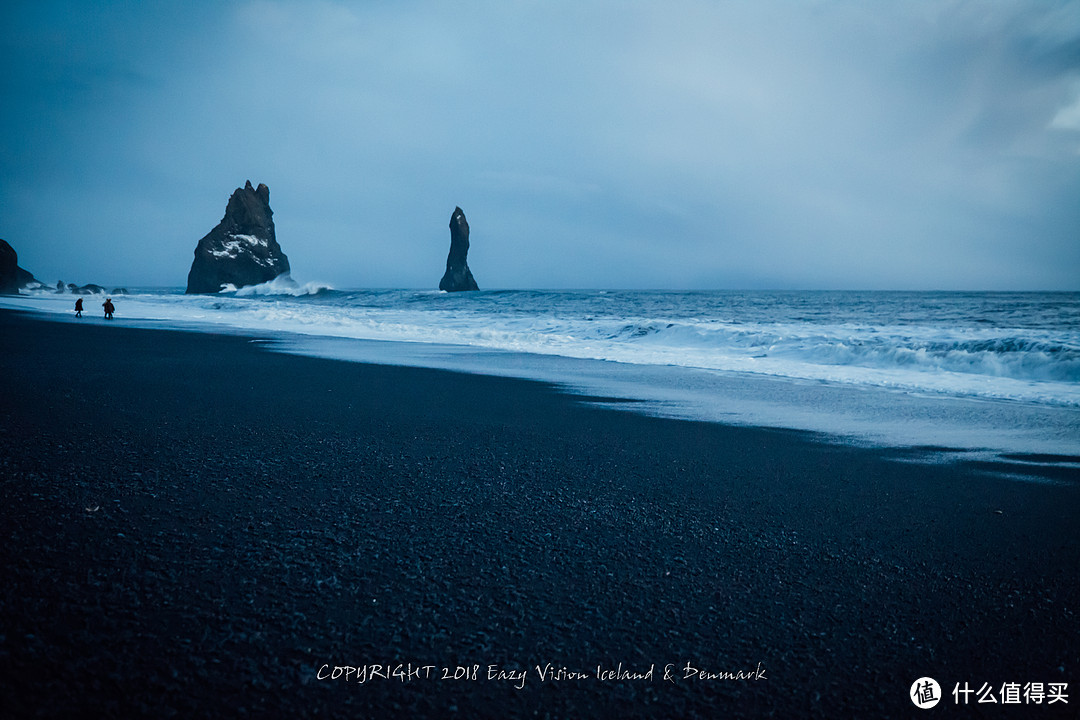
1033	364
281	285
1023	348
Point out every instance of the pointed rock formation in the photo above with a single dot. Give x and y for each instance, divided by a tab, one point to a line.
242	249
457	276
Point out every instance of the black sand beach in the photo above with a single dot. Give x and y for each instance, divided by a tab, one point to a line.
196	527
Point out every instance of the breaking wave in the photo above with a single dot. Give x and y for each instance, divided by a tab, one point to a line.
1017	346
281	285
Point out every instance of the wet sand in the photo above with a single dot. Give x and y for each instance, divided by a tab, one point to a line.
197	527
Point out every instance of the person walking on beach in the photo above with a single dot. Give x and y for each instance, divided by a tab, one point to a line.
109	308
78	308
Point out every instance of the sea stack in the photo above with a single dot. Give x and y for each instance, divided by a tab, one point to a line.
457	276
242	249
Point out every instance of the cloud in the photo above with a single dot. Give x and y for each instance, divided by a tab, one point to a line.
1068	117
689	143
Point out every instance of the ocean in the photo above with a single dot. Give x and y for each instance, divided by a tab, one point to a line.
943	371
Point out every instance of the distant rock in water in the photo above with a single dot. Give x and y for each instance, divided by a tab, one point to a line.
12	277
87	289
458	276
243	249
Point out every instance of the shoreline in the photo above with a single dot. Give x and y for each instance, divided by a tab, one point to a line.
260	514
990	428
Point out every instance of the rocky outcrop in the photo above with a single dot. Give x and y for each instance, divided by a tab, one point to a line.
242	249
12	277
458	277
87	289
9	269
27	281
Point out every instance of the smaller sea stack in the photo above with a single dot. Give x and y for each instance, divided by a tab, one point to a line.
458	277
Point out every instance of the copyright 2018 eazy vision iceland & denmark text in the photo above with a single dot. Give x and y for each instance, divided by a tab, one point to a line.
519	677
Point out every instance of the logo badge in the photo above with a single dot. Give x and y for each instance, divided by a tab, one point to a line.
925	693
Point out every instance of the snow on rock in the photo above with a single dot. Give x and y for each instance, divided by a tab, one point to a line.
242	249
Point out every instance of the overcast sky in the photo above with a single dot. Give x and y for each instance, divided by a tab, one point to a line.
675	144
